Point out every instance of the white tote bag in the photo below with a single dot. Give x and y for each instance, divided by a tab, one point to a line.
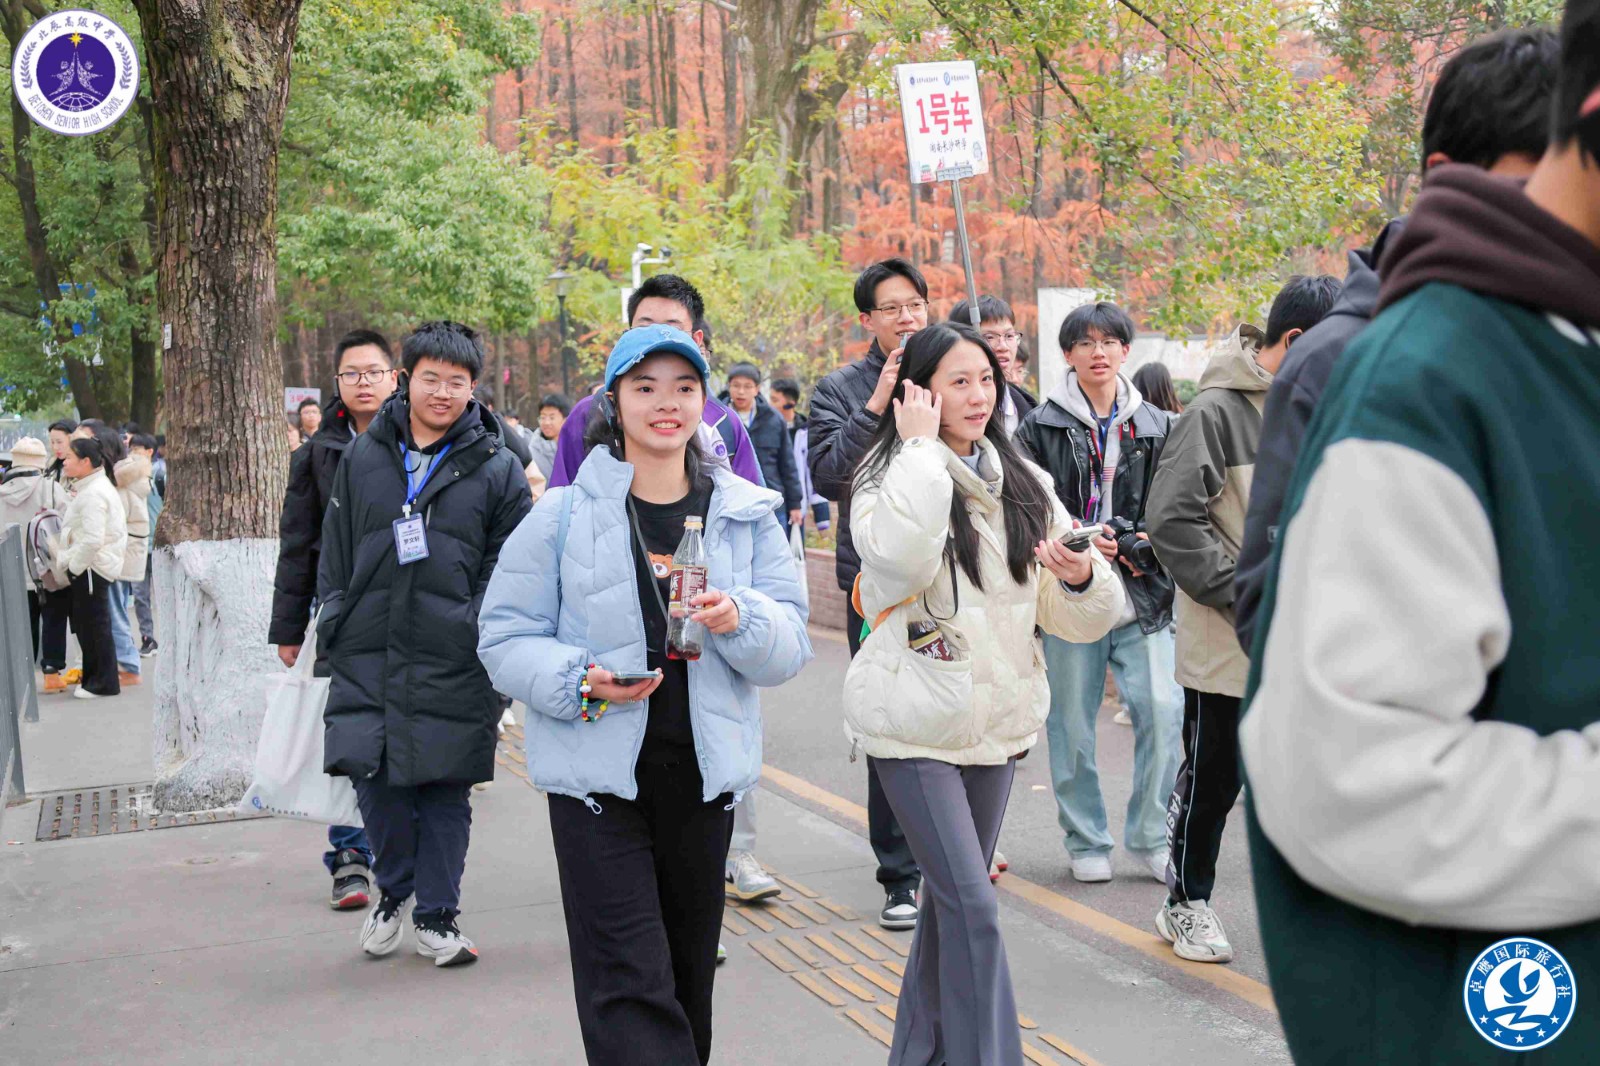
289	781
797	545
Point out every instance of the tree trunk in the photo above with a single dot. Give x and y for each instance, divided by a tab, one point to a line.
730	91
46	273
219	80
572	83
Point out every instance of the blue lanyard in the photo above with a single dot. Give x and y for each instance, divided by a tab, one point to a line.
414	487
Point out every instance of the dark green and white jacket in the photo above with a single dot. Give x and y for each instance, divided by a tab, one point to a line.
1422	737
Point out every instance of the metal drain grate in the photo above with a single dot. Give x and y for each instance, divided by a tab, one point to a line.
90	812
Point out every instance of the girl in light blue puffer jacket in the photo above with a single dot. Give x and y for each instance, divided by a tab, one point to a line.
643	778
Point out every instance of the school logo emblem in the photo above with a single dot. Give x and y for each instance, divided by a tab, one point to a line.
76	72
1519	994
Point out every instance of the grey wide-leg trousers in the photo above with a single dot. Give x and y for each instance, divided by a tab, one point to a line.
956	1003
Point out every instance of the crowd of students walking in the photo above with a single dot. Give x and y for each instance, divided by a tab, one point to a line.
88	503
1316	576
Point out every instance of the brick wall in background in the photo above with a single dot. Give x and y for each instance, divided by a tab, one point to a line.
827	599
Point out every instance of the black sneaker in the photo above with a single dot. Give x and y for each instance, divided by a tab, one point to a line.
899	910
148	648
352	881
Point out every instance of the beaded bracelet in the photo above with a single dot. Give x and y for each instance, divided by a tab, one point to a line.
583	696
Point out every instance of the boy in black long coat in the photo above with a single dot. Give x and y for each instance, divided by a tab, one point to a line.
420	508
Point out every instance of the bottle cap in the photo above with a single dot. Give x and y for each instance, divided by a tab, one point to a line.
693	522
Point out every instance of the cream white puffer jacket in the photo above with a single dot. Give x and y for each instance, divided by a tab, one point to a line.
989	705
133	486
94	530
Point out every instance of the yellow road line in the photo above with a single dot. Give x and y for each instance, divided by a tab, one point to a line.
783	915
817	915
1069	1050
1039	1058
1230	981
887	941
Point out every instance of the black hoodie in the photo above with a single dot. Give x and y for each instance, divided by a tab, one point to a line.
311	469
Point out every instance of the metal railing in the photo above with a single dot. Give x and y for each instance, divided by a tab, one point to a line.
19	697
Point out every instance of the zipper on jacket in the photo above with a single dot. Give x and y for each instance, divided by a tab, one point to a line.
594	807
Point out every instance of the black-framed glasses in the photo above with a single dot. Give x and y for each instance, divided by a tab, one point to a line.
787	405
357	377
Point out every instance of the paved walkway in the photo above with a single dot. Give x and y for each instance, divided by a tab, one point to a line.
214	943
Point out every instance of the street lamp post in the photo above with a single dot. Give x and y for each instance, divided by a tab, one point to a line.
563	285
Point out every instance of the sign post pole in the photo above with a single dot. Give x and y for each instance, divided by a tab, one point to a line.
942	111
966	252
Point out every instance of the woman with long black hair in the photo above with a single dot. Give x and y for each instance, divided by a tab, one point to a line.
961	565
643	770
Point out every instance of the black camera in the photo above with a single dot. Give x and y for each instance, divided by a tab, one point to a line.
1131	548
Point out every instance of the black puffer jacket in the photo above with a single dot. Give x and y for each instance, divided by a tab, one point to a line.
838	435
311	470
402	641
1060	443
1292	400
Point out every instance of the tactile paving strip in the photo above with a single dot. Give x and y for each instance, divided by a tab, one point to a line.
110	809
851	965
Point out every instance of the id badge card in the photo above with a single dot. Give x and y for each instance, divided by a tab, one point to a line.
410	539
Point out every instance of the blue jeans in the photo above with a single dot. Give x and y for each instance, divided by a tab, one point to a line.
1143	668
121	632
346	836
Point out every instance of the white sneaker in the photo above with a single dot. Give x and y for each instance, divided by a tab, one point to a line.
1156	860
380	933
84	694
482	786
1194	931
439	939
1092	867
1123	717
507	720
746	879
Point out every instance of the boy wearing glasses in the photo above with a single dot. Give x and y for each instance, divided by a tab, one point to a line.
1101	442
892	298
998	326
364	372
420	508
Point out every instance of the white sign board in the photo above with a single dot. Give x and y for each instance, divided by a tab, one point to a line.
1054	307
293	398
943	115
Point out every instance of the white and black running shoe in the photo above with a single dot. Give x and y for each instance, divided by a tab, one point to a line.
439	939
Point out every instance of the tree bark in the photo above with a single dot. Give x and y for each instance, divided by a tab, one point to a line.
219	81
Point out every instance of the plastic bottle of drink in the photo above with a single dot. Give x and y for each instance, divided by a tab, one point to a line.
690	577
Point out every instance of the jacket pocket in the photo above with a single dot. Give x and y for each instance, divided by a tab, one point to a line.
892	693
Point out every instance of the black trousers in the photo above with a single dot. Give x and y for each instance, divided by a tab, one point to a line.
419	836
91	621
47	619
641	885
897	868
1207	786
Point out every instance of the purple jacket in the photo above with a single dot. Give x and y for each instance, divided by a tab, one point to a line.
569	443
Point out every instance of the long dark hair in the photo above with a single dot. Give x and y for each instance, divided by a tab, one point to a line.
604	426
1154	382
1024	500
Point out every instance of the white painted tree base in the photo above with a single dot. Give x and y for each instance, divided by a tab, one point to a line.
212	601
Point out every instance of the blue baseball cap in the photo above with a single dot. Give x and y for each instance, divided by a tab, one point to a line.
634	346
